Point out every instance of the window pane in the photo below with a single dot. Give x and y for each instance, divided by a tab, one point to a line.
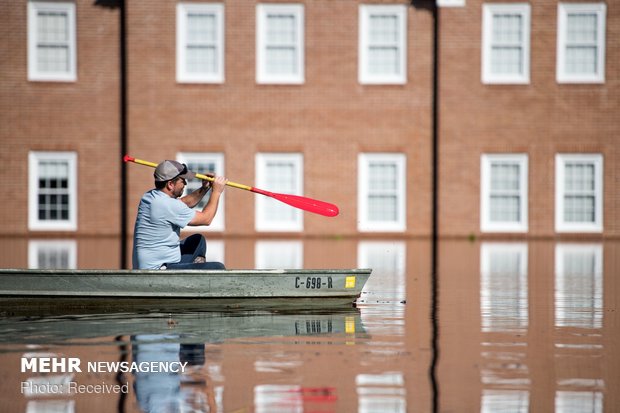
201	28
579	209
52	42
507	28
52	58
506	60
382	208
581	27
581	59
505	209
383	29
579	177
382	176
52	27
281	60
201	59
383	60
383	51
281	29
504	177
53	190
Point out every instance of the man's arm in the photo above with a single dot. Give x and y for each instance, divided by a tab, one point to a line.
192	199
207	214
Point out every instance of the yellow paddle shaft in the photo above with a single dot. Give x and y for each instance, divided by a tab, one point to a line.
200	176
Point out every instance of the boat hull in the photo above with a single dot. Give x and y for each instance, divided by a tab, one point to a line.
183	284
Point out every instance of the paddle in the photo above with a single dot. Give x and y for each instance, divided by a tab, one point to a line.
301	202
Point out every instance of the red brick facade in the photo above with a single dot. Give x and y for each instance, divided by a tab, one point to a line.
330	118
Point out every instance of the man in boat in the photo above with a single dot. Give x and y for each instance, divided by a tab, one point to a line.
162	213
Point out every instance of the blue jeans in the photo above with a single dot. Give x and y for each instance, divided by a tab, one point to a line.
192	247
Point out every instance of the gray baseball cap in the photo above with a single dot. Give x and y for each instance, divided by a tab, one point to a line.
168	170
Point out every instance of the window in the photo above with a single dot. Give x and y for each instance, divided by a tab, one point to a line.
200	43
281	173
203	163
381	192
52	191
52	254
503	287
382	44
279	255
215	251
506	43
504	193
579	285
581	43
280	43
579	193
51	41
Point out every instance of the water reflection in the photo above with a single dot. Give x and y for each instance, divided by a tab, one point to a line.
523	326
503	287
579	286
383	392
52	254
171	391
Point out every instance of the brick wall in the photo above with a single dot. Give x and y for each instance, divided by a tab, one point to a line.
541	119
81	116
330	118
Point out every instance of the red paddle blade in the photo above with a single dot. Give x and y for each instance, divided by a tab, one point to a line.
302	202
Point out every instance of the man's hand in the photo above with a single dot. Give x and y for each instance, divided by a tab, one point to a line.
206	185
219	184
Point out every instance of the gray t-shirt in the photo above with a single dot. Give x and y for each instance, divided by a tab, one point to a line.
158	225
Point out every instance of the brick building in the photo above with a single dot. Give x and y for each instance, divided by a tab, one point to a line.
330	99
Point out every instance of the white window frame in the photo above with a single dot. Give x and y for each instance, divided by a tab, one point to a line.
34	7
34	223
263	202
564	9
560	224
364	224
364	75
451	3
486	225
35	246
217	158
262	12
489	11
265	249
183	75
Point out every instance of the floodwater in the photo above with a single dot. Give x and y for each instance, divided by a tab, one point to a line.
501	326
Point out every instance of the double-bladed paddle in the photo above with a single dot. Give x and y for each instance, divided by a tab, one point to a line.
301	202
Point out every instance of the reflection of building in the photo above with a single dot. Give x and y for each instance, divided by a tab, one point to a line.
510	370
332	100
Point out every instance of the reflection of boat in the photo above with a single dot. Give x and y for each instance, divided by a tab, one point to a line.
210	286
190	327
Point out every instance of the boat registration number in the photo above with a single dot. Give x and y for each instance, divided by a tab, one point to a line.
314	282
